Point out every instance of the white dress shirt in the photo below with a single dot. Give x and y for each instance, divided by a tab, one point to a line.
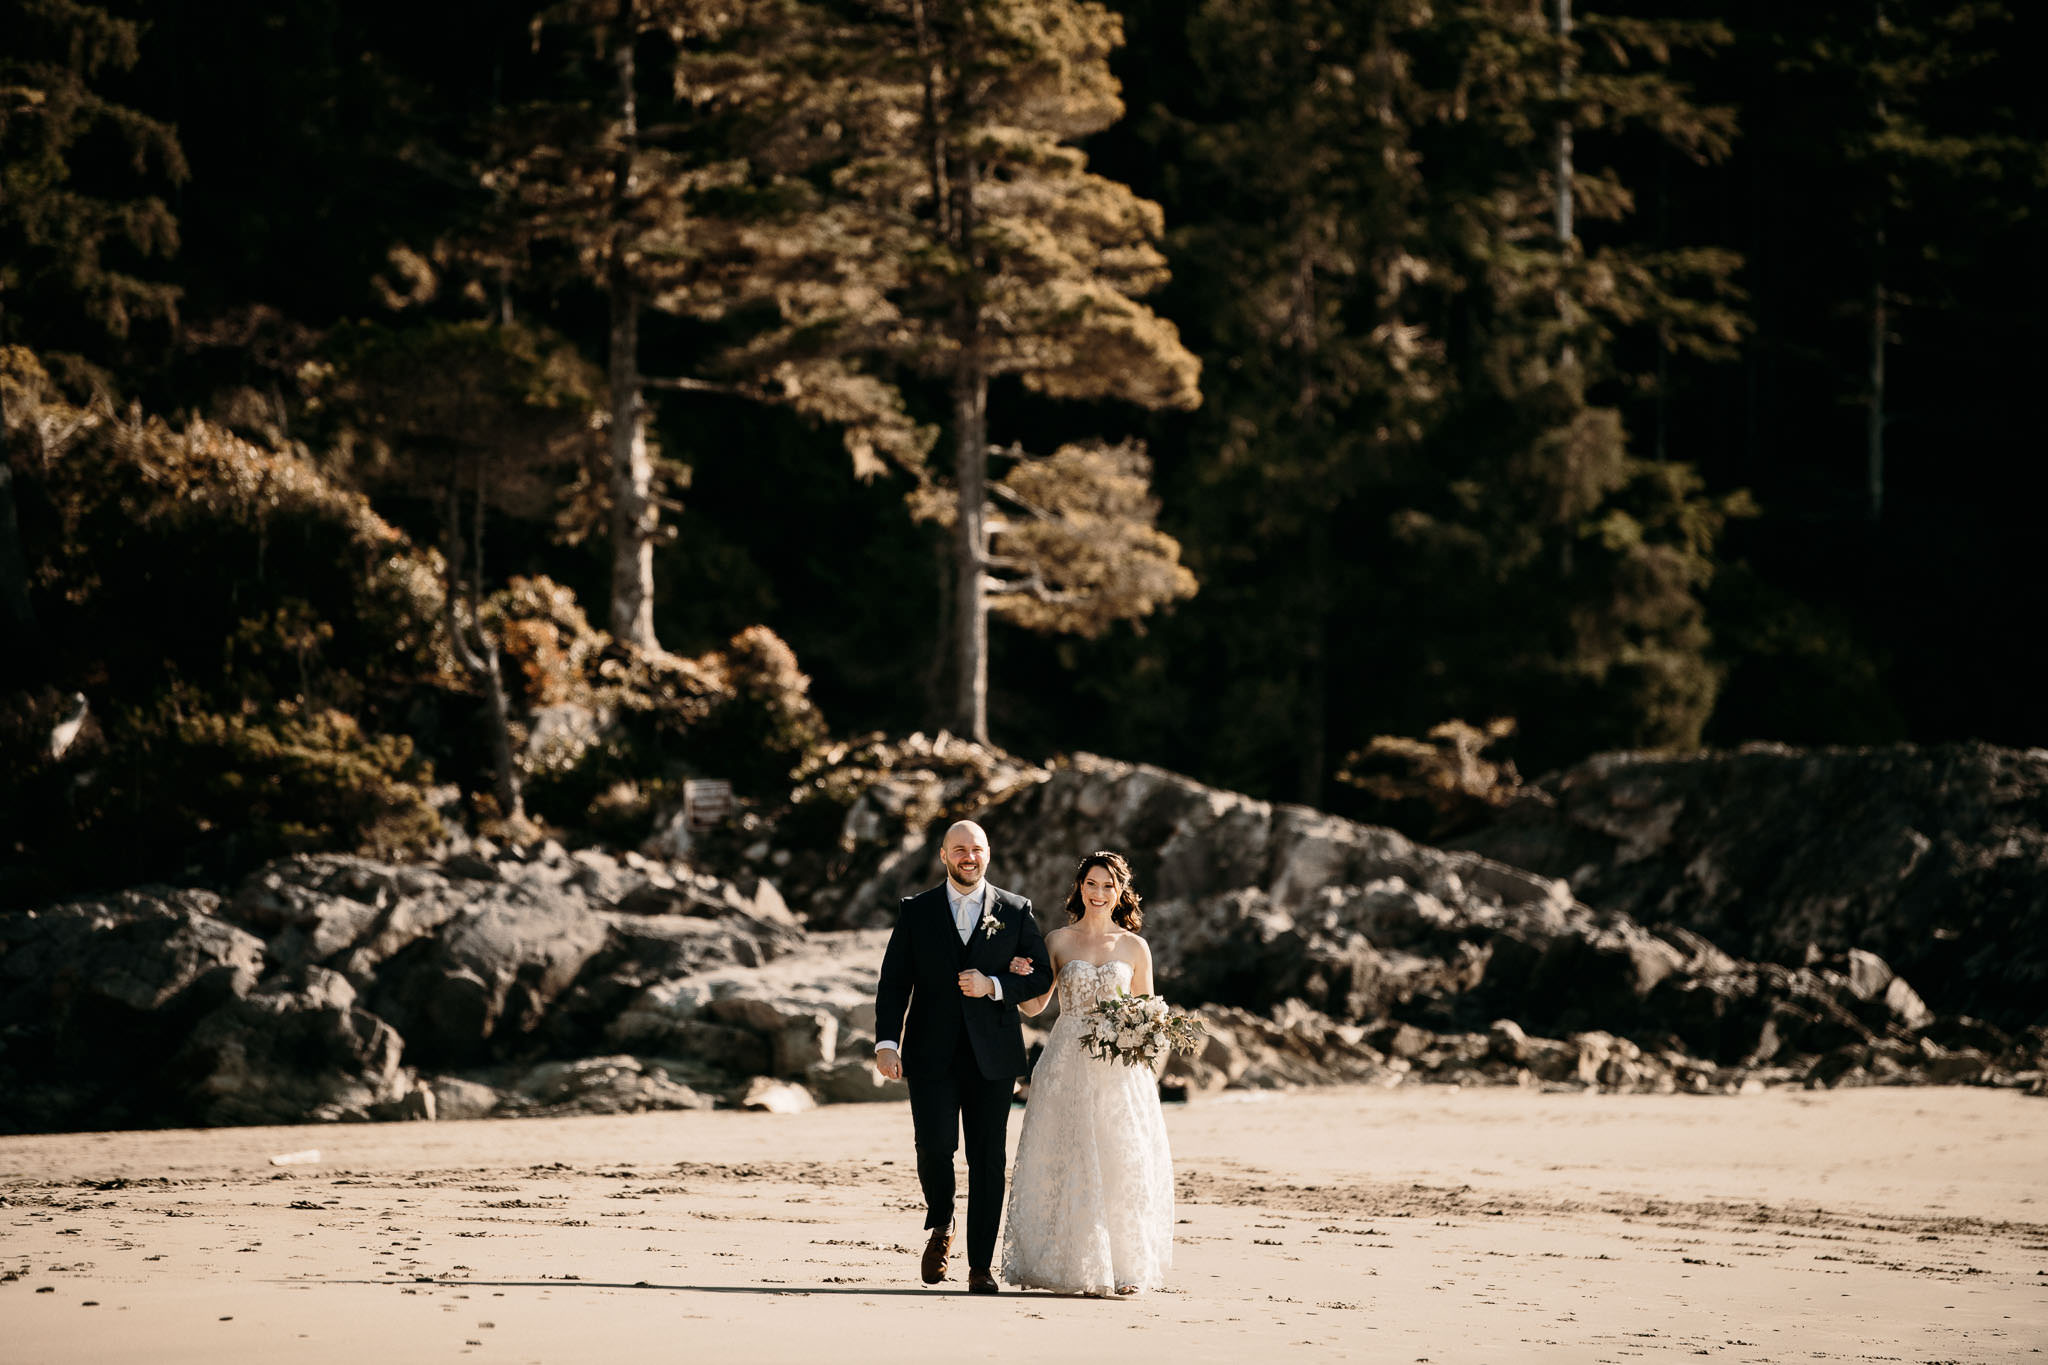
967	909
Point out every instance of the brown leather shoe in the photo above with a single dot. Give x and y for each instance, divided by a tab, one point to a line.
935	1252
981	1282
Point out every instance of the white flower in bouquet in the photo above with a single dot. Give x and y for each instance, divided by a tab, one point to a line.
1138	1030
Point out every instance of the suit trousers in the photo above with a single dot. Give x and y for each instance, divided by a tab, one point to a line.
946	1101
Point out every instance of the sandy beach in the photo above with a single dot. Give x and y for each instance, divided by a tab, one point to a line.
1421	1224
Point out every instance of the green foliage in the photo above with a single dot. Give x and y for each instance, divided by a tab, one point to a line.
919	214
769	725
628	725
1417	499
304	592
542	630
1447	464
73	233
504	408
244	630
1796	673
284	782
1435	787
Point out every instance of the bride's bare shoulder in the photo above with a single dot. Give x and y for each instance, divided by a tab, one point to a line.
1133	949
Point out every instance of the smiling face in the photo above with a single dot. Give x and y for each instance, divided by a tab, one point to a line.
965	854
1099	891
1103	887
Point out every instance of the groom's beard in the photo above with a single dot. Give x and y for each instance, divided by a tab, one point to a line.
968	888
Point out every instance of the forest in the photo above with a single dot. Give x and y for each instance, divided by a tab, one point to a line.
503	413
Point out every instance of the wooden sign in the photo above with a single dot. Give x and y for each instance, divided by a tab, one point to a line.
707	803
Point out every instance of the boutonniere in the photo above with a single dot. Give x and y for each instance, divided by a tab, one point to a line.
989	923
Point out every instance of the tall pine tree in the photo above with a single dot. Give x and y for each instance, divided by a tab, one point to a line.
952	234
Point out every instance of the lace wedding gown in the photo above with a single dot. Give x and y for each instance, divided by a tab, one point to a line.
1091	1197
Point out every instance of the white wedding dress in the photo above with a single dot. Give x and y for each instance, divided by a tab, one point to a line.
1091	1196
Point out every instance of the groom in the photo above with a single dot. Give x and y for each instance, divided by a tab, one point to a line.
960	1046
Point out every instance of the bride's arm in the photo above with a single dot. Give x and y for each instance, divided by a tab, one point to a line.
1141	967
1036	1005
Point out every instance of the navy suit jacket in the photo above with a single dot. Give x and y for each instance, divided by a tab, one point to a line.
918	1001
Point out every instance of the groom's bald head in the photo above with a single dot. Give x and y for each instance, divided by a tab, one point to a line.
964	851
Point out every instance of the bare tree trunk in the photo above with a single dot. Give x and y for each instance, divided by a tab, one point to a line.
954	176
17	611
1874	406
938	674
1874	414
1562	171
635	516
479	657
970	546
1561	26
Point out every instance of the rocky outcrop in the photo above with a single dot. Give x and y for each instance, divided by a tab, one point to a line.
1934	858
96	995
296	1048
863	828
543	981
342	988
1344	931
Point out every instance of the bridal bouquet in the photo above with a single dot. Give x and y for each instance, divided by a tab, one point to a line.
1138	1030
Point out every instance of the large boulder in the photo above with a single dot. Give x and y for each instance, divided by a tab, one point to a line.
1934	858
297	1049
347	913
484	984
496	953
1277	912
95	996
808	1016
859	834
603	1085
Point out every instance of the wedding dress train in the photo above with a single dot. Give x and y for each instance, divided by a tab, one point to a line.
1091	1198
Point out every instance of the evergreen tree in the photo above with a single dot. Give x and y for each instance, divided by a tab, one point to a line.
587	180
74	233
1568	571
963	240
1408	335
1320	380
477	416
1926	172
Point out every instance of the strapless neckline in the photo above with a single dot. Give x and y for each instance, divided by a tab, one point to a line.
1098	966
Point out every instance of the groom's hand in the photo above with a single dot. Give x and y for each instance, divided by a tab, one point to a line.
973	983
890	1063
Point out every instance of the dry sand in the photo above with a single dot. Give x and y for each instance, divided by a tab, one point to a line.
1422	1224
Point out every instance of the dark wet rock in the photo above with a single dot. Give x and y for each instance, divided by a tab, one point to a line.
296	1048
1934	858
96	995
536	980
603	1085
861	831
325	982
484	984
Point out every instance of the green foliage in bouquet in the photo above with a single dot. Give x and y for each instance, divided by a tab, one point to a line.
1138	1030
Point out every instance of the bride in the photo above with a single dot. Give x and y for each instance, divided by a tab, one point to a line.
1091	1198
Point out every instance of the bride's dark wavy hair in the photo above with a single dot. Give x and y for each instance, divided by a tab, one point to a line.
1128	914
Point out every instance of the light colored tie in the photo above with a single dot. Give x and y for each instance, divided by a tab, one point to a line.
963	918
